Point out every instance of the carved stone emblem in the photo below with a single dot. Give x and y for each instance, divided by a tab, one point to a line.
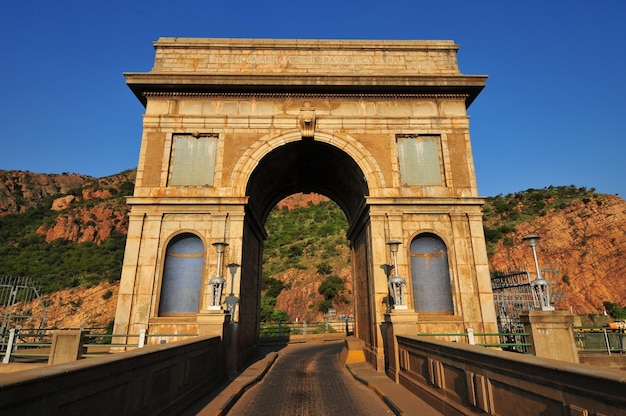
307	120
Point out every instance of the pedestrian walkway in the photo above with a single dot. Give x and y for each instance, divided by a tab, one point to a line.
309	379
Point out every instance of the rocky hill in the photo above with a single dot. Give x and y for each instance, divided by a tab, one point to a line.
308	253
22	190
68	231
585	240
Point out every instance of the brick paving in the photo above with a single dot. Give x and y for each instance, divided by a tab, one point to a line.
307	380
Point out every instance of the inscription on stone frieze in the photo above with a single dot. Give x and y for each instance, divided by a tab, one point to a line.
394	58
306	60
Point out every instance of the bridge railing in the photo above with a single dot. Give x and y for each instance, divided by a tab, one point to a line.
509	341
463	379
283	329
597	339
37	343
159	379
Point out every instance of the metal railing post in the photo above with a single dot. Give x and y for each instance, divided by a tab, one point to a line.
7	354
470	336
606	341
142	338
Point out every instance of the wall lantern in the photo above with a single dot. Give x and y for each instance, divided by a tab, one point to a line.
231	299
397	283
540	287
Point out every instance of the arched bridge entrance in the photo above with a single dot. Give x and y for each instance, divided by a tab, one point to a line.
233	126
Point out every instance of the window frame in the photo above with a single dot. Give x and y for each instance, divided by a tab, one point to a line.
193	166
420	172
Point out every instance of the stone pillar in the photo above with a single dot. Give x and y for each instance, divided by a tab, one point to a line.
232	348
398	322
212	322
67	346
551	334
217	323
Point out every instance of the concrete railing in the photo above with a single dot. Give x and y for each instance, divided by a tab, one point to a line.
156	380
461	379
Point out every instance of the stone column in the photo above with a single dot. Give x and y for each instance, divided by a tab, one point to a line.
551	334
212	322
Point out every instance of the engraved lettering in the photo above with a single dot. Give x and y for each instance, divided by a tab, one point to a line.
254	58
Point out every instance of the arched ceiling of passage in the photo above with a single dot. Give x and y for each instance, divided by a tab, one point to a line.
306	166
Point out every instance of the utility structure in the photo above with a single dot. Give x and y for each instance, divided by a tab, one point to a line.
232	126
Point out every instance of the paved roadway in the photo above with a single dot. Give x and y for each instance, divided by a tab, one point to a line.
308	380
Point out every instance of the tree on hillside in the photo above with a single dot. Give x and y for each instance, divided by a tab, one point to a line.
614	310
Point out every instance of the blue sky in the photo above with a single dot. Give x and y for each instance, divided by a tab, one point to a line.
553	111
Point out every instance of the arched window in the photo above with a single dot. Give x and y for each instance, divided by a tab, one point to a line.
182	276
430	274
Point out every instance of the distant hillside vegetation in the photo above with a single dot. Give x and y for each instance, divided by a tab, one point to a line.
68	231
583	236
63	230
306	261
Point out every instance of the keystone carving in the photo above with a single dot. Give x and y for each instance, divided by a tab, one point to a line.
307	120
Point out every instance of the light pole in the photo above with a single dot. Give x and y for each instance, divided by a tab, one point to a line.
397	283
232	300
217	283
540	287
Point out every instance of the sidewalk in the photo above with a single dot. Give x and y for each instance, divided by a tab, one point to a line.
220	404
400	400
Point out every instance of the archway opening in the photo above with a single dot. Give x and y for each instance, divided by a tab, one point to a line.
307	280
305	166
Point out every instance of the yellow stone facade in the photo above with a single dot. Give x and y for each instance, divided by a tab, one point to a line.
305	116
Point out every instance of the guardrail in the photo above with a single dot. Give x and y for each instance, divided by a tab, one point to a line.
159	379
509	341
36	343
282	329
597	339
457	378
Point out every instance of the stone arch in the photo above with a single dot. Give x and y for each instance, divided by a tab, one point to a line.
307	165
430	274
300	165
360	104
250	159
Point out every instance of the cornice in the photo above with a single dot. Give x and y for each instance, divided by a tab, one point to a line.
173	94
306	44
279	85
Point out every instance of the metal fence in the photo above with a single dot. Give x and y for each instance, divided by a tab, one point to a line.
512	295
282	329
35	344
594	339
508	341
20	305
